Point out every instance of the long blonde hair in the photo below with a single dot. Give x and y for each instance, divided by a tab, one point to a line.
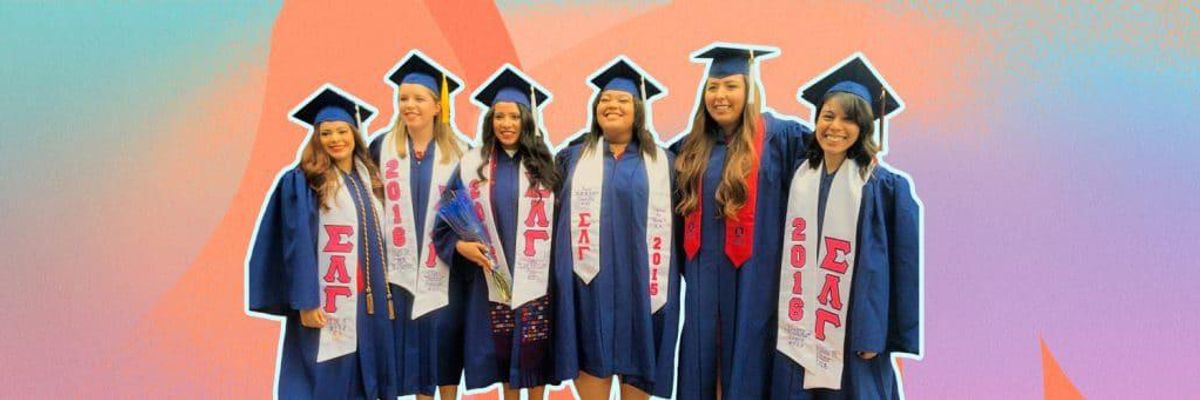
321	172
443	135
692	161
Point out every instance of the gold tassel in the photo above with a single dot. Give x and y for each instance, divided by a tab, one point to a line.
445	101
370	300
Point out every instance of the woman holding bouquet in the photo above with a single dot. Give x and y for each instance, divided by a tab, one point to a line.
511	182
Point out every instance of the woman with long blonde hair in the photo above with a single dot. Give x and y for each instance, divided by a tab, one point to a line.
417	155
732	171
318	261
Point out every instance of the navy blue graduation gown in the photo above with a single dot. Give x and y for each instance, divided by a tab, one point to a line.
605	328
431	355
282	280
496	357
729	314
883	315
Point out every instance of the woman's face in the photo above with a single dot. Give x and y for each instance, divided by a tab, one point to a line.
337	139
614	112
836	131
725	98
506	123
417	106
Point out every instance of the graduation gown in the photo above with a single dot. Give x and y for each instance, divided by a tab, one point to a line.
430	354
605	328
489	358
884	308
729	314
282	280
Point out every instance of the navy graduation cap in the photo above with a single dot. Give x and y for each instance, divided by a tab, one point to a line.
330	103
508	84
856	77
415	68
623	75
730	58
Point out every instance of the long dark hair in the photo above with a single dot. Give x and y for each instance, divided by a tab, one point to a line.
863	150
535	155
321	172
640	134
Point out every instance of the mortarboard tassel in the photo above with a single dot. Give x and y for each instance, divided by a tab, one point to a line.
533	112
750	79
445	101
882	117
643	89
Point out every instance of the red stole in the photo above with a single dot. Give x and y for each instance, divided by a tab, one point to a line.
739	231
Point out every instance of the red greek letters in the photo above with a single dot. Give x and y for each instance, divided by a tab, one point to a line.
537	221
337	276
798	255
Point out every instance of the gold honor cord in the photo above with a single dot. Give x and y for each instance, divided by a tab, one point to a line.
362	224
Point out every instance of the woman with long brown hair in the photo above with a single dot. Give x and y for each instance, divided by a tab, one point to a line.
732	172
318	261
417	155
617	273
849	294
507	300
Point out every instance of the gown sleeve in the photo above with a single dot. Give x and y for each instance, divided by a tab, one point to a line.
566	347
444	237
668	316
904	222
282	271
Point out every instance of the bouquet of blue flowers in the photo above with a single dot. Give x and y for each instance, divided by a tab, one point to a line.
458	211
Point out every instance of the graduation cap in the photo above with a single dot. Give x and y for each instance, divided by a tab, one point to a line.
329	103
417	69
855	76
623	75
732	59
509	85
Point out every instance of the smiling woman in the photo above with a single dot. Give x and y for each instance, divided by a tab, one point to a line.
732	174
617	277
510	180
318	261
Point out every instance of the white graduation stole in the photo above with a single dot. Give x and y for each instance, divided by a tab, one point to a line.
419	271
587	184
337	270
534	230
816	275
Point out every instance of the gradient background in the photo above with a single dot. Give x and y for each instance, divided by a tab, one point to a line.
1051	146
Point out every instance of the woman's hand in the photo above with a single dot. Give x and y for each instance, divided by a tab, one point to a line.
314	318
867	355
475	252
